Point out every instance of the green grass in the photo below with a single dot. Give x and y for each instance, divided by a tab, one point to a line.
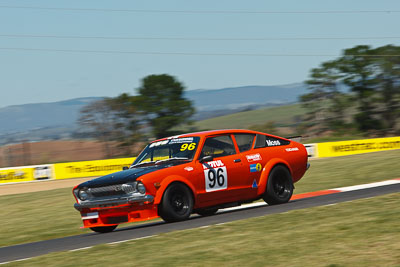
326	173
358	233
38	216
282	116
50	214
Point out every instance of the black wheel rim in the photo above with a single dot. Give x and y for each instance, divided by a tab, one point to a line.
179	203
282	188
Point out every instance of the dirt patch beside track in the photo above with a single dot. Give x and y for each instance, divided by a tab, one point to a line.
19	188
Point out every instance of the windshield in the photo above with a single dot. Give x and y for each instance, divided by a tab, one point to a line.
170	149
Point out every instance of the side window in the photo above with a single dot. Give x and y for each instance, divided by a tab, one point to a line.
244	141
260	141
267	141
218	146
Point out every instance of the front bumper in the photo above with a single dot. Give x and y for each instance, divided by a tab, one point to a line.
116	211
104	204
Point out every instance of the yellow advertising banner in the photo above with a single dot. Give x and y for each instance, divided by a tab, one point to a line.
16	175
90	168
26	174
343	148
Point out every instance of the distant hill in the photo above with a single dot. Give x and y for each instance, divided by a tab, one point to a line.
41	115
245	96
41	121
282	116
55	120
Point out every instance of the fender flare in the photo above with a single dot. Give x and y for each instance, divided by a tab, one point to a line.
262	184
172	179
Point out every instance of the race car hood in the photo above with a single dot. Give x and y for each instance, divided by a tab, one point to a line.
121	177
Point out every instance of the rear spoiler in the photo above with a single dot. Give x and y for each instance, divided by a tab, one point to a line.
295	138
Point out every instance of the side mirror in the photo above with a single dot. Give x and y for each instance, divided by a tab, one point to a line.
125	168
206	159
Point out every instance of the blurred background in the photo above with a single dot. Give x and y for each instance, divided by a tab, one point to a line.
82	81
98	79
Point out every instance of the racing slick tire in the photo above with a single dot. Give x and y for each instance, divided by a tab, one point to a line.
206	212
103	229
279	186
176	204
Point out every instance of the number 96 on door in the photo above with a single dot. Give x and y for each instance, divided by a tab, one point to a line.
216	179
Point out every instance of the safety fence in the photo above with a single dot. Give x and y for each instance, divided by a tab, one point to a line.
345	148
96	168
63	170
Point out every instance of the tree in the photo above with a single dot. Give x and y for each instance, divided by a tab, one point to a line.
388	84
98	118
161	101
373	77
111	120
127	122
325	103
357	65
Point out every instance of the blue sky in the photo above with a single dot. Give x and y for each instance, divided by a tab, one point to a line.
31	76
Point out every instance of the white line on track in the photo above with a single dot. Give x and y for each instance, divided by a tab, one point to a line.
1	263
80	249
256	204
365	186
333	204
123	241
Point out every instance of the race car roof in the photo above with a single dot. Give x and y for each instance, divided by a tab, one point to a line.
214	132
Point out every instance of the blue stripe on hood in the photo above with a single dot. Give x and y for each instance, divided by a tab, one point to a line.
121	177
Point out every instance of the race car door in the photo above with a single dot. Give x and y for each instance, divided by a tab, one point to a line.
252	162
222	175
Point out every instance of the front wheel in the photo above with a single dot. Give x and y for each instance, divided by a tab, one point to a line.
279	186
103	229
176	204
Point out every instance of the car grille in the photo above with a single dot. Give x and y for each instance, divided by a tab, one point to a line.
111	190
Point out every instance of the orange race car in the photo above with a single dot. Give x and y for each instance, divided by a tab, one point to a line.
193	173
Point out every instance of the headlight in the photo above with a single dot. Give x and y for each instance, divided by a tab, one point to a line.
83	195
129	187
140	188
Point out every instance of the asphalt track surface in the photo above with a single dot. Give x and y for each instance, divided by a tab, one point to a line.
29	250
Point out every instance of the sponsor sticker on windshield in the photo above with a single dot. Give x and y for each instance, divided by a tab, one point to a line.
160	143
181	140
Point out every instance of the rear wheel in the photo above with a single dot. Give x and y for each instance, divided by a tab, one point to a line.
176	204
103	229
279	186
206	212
